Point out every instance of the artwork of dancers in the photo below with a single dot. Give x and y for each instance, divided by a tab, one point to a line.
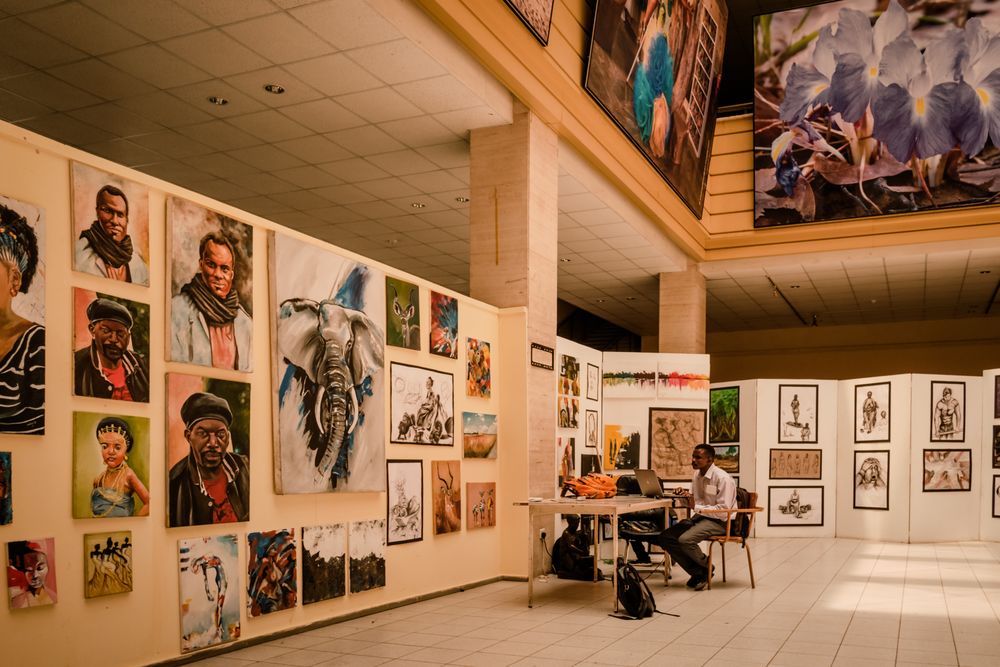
797	407
108	563
948	412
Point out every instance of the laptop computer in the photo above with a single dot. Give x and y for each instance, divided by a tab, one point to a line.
649	483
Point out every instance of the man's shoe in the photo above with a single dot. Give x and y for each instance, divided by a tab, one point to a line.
695	581
701	585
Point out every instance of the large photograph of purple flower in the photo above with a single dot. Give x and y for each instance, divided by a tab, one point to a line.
874	107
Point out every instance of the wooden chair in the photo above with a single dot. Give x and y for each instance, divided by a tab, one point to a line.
749	512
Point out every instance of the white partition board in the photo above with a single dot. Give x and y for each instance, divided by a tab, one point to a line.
989	508
588	359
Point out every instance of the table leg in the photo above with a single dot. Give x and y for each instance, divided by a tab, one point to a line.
614	558
531	558
597	541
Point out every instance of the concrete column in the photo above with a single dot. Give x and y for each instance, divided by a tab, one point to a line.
682	311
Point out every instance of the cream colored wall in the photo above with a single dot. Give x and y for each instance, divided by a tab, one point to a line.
143	626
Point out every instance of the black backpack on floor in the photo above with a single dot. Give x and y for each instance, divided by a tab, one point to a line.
634	595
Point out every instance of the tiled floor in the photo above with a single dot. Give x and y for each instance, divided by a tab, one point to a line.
818	602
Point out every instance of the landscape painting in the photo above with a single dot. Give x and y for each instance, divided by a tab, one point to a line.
727	458
628	378
673	434
682	376
324	554
479	435
367	550
724	414
209	591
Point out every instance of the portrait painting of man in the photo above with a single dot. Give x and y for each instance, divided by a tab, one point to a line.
111	358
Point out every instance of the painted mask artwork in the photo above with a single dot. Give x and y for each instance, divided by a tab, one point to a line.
444	325
31	573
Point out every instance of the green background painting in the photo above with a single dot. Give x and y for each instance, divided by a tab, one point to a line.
724	415
400	292
88	464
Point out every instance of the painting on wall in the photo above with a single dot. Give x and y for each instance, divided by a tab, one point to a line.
621	447
655	70
683	377
797	413
405	511
629	380
6	489
210	312
271	570
367	550
872	404
569	411
947	411
209	591
477	368
859	104
110	225
947	470
565	458
673	434
402	314
324	555
871	480
724	414
200	411
727	458
479	435
22	392
329	314
589	463
591	426
111	347
110	466
481	500
422	406
795	506
444	325
569	375
536	15
796	464
996	496
446	489
31	573
593	382
107	563
996	445
996	397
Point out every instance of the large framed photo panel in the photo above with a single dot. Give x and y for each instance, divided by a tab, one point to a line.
422	406
947	470
405	501
871	480
673	434
795	506
947	411
872	404
798	413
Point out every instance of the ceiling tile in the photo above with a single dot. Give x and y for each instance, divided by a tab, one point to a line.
218	12
124	152
396	62
158	19
461	173
451	220
215	52
448	198
374	209
50	91
307	176
627	242
262	206
335	214
224	190
82	28
279	38
346	23
116	120
405	204
343	195
15	108
181	174
270	125
34	47
266	158
452	154
197	95
419	131
575	234
101	79
334	75
353	170
598	217
432	236
323	116
297	220
581	202
388	188
156	66
66	129
463	120
165	109
252	84
401	163
301	200
313	149
220	164
379	104
367	140
439	94
220	135
263	184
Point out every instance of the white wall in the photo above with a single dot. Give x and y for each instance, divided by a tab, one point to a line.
584	355
989	525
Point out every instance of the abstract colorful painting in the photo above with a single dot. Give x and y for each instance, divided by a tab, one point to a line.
405	511
209	591
421	406
871	480
444	325
797	413
621	447
569	376
31	573
872	403
683	376
6	489
107	563
402	314
329	314
324	556
724	414
481	499
796	464
477	365
565	458
947	411
271	569
629	376
446	489
947	470
367	550
110	465
479	435
569	412
673	434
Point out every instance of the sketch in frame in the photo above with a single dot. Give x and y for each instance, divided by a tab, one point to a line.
481	499
872	412
477	368
110	466
569	375
589	463
111	347
621	447
107	563
795	505
324	562
871	480
682	377
6	489
591	431
31	573
422	406
797	413
996	496
996	446
110	225
446	488
727	458
673	434
444	325
724	414
569	411
402	314
271	571
211	287
366	546
209	591
536	15
947	470
947	411
329	323
479	435
405	512
565	458
796	464
593	382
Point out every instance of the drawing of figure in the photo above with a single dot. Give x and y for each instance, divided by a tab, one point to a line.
806	433
215	589
794	503
795	410
105	249
869	410
947	417
114	487
870	475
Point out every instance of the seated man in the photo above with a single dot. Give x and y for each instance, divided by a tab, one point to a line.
711	489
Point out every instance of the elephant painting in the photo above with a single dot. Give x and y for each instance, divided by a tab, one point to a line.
330	356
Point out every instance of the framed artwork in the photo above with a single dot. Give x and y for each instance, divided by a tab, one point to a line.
367	551
996	397
209	591
996	445
682	376
569	411
271	566
211	287
591	426
872	403
656	74
31	573
589	463
621	447
479	435
110	225
673	434
22	392
405	500
111	340
871	480
593	383
565	458
798	413
446	486
569	376
626	379
536	15
322	304
736	480
727	458
477	368
795	506
822	85
421	405
947	470
543	356
444	325
6	489
481	499
107	563
324	554
996	496
724	414
796	464
947	411
110	466
402	314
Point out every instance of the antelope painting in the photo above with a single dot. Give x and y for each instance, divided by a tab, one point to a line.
447	480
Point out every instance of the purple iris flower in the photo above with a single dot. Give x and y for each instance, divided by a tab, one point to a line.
809	85
977	101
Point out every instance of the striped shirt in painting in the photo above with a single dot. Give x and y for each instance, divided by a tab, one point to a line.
22	384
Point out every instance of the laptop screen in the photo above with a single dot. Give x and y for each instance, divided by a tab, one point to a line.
649	483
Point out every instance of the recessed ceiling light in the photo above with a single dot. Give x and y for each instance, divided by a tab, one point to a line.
274	88
392	243
601	300
984	272
565	259
218	101
794	286
630	298
462	200
417	204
